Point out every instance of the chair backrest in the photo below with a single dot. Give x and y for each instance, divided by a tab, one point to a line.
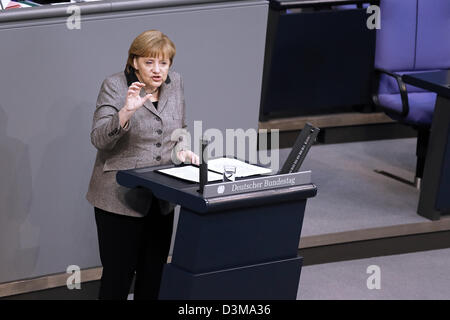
414	36
396	40
433	35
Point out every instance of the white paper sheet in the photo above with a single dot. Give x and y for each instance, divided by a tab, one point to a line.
5	3
190	173
243	169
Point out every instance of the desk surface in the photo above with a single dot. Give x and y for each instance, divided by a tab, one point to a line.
436	81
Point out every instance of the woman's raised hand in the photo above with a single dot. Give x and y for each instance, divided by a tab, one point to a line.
134	101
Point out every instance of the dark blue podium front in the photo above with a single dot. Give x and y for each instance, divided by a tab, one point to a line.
241	246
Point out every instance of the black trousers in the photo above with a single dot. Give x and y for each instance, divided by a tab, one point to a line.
129	246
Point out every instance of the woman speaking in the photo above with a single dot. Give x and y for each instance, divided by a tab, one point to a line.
136	112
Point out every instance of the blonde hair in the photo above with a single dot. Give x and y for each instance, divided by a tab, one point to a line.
151	43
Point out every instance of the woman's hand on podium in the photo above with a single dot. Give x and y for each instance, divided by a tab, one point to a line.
188	156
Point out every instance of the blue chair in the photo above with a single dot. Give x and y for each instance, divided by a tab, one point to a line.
414	37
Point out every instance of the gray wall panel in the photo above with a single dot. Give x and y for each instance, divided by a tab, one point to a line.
48	87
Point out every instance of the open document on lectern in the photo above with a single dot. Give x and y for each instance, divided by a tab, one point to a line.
190	173
215	170
243	169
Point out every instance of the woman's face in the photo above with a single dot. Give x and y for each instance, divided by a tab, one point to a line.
152	71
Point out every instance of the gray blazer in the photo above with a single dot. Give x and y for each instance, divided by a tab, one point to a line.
145	142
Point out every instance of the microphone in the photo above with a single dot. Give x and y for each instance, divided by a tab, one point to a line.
203	178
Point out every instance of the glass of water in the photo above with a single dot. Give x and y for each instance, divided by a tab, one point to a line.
229	173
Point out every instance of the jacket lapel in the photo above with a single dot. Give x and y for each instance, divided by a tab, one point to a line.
148	104
163	97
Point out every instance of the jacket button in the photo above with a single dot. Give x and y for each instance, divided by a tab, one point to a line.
159	131
158	158
158	145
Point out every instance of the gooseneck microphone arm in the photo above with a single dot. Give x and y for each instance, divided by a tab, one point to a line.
203	178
